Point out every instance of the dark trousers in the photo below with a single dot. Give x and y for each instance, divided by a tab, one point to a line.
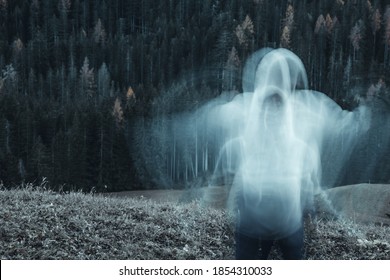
247	248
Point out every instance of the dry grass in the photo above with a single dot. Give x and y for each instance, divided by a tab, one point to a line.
40	224
346	240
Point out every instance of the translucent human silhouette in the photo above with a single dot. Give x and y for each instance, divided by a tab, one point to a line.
278	131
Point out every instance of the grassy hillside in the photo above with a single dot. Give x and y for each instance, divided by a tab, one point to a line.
40	224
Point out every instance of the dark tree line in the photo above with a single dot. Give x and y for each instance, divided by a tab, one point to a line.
75	74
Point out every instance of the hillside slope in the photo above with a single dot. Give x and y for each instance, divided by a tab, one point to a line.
40	224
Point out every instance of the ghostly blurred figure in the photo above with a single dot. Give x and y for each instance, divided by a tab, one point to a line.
270	180
271	145
279	170
276	145
279	167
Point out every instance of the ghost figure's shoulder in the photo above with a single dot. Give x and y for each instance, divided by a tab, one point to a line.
318	106
321	111
315	100
225	112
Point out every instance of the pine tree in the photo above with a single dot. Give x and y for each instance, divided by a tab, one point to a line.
319	62
356	37
9	173
105	141
9	79
99	33
347	73
320	26
231	69
117	112
122	162
376	18
72	80
64	7
244	32
77	152
288	25
3	5
103	81
4	136
87	78
92	148
41	160
386	19
330	23
60	161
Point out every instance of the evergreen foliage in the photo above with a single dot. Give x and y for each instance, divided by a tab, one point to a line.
76	74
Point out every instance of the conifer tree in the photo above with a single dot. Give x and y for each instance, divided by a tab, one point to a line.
99	33
288	25
244	32
376	20
231	70
41	160
103	81
386	19
87	80
356	37
3	5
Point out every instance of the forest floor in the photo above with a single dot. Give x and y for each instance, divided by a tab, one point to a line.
41	224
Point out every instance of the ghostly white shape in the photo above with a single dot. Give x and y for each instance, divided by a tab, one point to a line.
271	143
274	139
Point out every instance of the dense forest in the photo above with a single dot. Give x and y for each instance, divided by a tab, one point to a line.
77	76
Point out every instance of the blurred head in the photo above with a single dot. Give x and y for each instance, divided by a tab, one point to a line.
273	110
274	102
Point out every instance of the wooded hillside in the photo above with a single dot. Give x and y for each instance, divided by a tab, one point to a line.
75	74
